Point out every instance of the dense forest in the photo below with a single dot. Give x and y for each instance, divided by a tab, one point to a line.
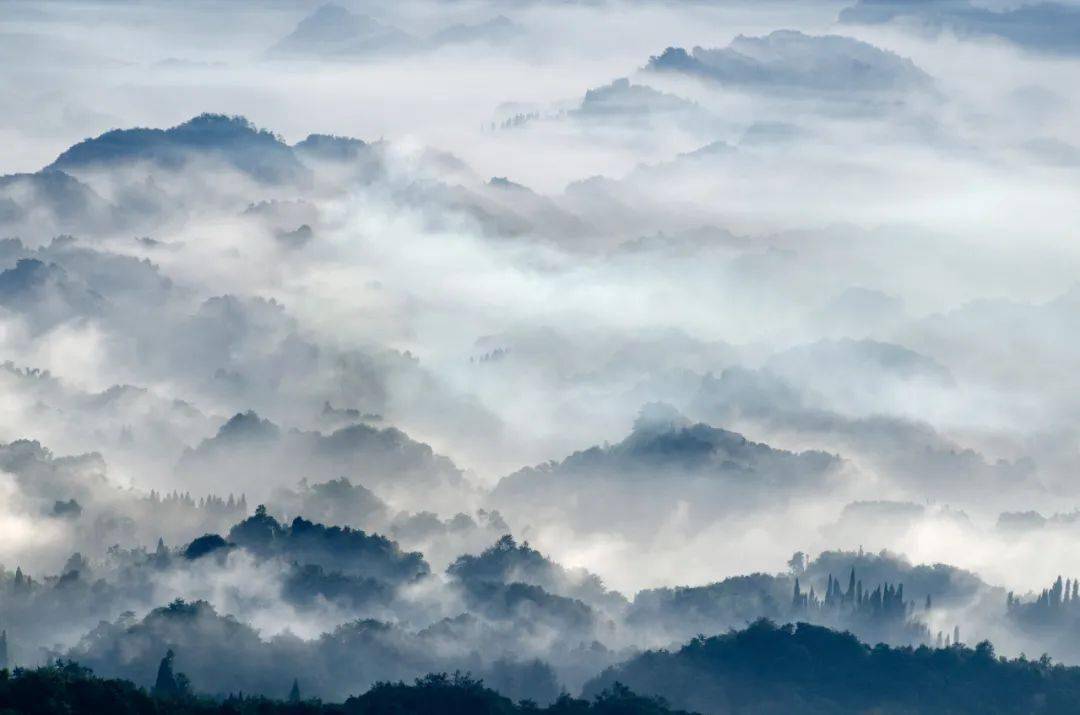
764	669
66	688
768	669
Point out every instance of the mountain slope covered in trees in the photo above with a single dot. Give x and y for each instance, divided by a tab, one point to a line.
769	670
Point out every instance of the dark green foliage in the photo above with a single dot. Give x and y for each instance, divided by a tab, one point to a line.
507	562
502	561
440	694
767	669
531	680
349	551
69	689
432	694
165	684
206	544
536	606
763	670
305	583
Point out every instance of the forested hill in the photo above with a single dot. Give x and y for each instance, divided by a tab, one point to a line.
768	669
764	669
69	689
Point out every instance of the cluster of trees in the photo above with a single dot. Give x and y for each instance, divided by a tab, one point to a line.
768	669
1061	601
348	550
885	601
19	584
211	502
509	595
220	654
514	583
507	562
896	611
518	120
66	688
882	613
508	613
763	669
888	612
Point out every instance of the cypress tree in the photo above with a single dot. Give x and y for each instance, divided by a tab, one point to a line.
165	685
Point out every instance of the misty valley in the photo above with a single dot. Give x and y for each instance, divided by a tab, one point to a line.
514	356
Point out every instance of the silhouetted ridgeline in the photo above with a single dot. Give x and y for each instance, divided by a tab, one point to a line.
765	669
73	690
768	669
886	599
